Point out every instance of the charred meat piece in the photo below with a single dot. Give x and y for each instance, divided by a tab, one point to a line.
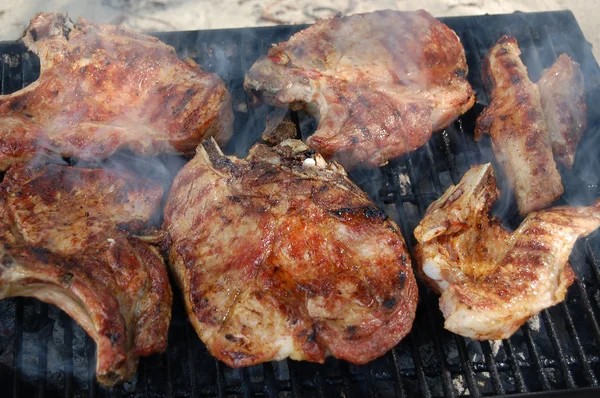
563	100
280	255
491	281
516	123
378	83
67	237
102	88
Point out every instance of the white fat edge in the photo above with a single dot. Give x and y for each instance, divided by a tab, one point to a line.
286	348
111	241
432	270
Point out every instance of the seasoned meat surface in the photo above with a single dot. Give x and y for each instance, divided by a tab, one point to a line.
280	255
102	88
67	237
378	83
516	123
491	281
563	100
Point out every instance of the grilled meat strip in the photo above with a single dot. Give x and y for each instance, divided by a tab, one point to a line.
378	83
516	123
491	281
102	88
280	255
67	238
563	100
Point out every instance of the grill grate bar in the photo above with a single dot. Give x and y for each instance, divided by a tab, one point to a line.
432	169
42	349
454	175
18	356
321	383
245	382
418	361
398	385
294	383
190	358
220	382
346	383
492	367
445	372
67	354
551	327
91	355
467	366
542	377
588	308
573	332
4	77
167	368
514	364
270	383
592	256
474	51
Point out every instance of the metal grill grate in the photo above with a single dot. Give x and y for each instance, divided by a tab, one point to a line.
43	353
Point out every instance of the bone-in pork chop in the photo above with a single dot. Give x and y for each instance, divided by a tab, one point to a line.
67	238
280	255
378	83
102	88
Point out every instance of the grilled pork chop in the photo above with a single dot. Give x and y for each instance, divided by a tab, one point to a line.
67	238
516	123
492	281
280	255
563	100
378	83
102	88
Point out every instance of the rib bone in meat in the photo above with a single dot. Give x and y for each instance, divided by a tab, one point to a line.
67	238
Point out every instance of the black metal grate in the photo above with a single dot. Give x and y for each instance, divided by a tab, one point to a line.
43	353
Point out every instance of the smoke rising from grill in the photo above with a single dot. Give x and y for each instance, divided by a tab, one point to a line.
405	185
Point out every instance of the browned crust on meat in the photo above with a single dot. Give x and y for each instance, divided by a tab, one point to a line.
516	123
292	273
103	88
379	83
66	238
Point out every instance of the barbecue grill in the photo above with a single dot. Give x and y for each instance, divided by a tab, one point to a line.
44	353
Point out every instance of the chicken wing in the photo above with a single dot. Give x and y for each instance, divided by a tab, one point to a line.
492	281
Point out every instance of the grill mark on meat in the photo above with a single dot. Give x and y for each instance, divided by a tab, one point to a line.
282	280
116	288
117	88
516	123
491	281
372	97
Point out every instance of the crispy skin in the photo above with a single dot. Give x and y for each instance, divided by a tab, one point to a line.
492	281
280	255
378	83
66	238
563	100
102	88
516	123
